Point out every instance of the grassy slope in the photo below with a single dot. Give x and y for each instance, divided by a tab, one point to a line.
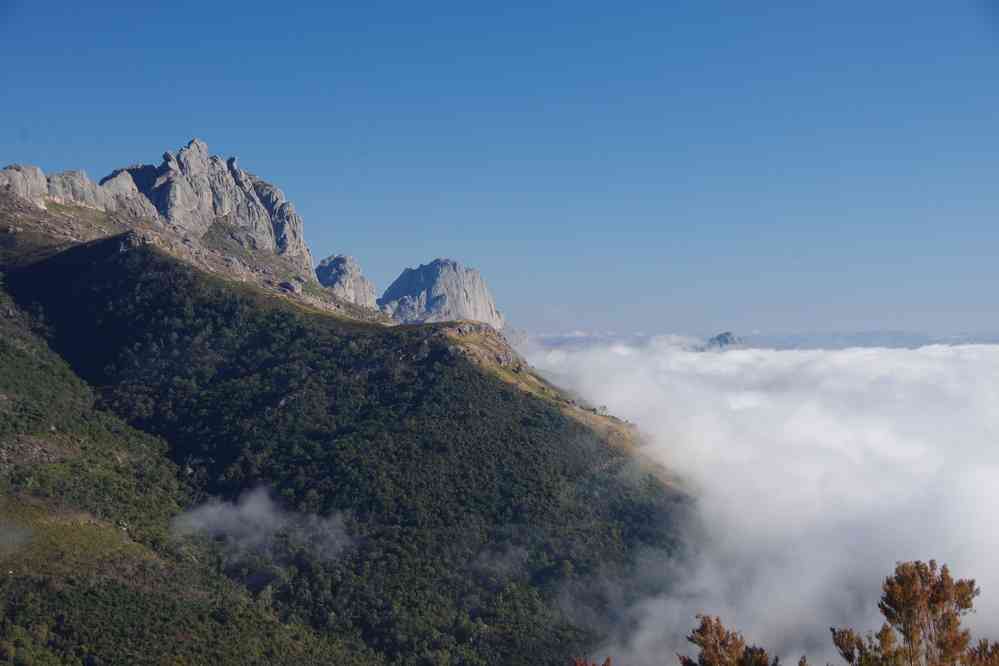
472	502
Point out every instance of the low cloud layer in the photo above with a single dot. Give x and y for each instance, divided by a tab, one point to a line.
251	524
815	472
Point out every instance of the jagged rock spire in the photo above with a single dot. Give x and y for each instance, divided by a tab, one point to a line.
343	275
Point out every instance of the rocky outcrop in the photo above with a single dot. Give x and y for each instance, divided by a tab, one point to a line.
76	187
482	344
117	195
288	227
343	276
190	190
56	227
27	182
442	290
122	196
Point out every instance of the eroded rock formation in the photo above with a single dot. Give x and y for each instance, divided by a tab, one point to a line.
190	190
442	290
343	275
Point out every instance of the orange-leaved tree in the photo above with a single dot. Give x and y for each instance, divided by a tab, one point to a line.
922	605
720	647
984	653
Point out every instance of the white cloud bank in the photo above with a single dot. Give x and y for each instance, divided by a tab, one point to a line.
815	471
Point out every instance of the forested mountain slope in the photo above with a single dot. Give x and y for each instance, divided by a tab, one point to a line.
469	504
90	574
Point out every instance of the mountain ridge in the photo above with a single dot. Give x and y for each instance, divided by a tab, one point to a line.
189	191
218	370
209	204
439	462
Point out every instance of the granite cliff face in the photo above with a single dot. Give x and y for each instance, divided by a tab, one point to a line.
442	290
27	182
190	191
343	275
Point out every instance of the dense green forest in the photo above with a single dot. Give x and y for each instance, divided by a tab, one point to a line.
144	388
90	573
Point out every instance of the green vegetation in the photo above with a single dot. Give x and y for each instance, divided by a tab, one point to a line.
88	574
57	447
77	590
471	503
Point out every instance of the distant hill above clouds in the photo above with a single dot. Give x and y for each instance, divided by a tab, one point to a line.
728	340
725	340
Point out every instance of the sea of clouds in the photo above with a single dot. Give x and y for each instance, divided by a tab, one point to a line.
814	471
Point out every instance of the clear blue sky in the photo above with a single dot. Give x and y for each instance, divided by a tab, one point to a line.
658	166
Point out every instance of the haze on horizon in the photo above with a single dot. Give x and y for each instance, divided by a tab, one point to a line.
696	167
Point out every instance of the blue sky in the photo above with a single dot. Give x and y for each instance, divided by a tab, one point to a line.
657	166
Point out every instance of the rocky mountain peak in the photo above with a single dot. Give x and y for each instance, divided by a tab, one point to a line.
191	190
443	290
343	275
210	211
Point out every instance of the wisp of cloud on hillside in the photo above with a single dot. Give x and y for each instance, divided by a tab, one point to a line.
253	522
815	472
